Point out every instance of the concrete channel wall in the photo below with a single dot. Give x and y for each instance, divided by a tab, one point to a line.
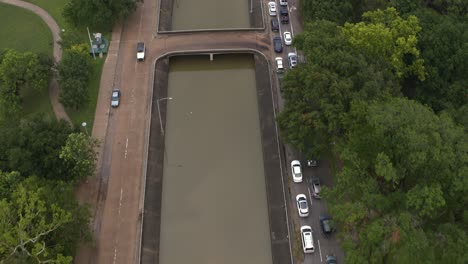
166	8
280	247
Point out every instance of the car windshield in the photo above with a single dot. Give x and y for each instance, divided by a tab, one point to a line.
140	47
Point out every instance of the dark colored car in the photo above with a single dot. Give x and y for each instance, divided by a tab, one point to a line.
312	163
330	259
326	224
278	44
274	24
284	19
284	11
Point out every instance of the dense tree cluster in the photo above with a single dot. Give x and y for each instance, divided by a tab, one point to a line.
97	14
18	72
41	159
75	71
386	92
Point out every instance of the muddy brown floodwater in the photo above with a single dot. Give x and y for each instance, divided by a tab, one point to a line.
210	14
214	206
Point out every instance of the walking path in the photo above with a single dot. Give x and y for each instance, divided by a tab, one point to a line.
55	29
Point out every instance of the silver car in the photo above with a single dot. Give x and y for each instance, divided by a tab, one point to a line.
115	98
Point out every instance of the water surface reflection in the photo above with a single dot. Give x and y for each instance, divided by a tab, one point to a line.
214	200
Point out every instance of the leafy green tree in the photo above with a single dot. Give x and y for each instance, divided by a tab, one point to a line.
445	52
32	147
80	156
319	94
404	180
98	14
75	71
456	7
67	237
26	223
332	10
8	182
385	34
20	71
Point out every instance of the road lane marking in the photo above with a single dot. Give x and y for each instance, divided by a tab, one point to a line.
320	251
126	150
115	255
310	196
118	225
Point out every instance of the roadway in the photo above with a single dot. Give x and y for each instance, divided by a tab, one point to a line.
324	245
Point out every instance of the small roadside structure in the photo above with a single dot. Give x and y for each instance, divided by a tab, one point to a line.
99	44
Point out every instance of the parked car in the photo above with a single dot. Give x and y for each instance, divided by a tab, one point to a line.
330	259
326	224
277	44
302	206
287	38
316	187
272	8
279	65
292	58
141	49
307	238
274	24
296	171
283	2
115	98
284	19
312	163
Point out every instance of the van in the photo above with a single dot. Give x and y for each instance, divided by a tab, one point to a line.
279	65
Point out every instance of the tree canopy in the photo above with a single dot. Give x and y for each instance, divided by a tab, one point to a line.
386	95
318	95
97	14
405	171
385	34
75	72
20	71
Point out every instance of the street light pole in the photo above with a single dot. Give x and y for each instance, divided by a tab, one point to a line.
84	125
159	112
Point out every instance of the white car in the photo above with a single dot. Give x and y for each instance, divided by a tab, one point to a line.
272	8
302	206
287	38
296	171
292	58
279	65
283	2
307	239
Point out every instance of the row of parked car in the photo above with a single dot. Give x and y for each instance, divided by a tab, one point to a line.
307	235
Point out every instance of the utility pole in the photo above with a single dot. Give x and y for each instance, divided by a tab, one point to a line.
91	43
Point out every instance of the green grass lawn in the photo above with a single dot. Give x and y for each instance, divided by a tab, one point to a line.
54	8
86	113
22	30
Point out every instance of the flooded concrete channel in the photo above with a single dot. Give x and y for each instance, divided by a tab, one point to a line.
186	15
214	206
213	182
